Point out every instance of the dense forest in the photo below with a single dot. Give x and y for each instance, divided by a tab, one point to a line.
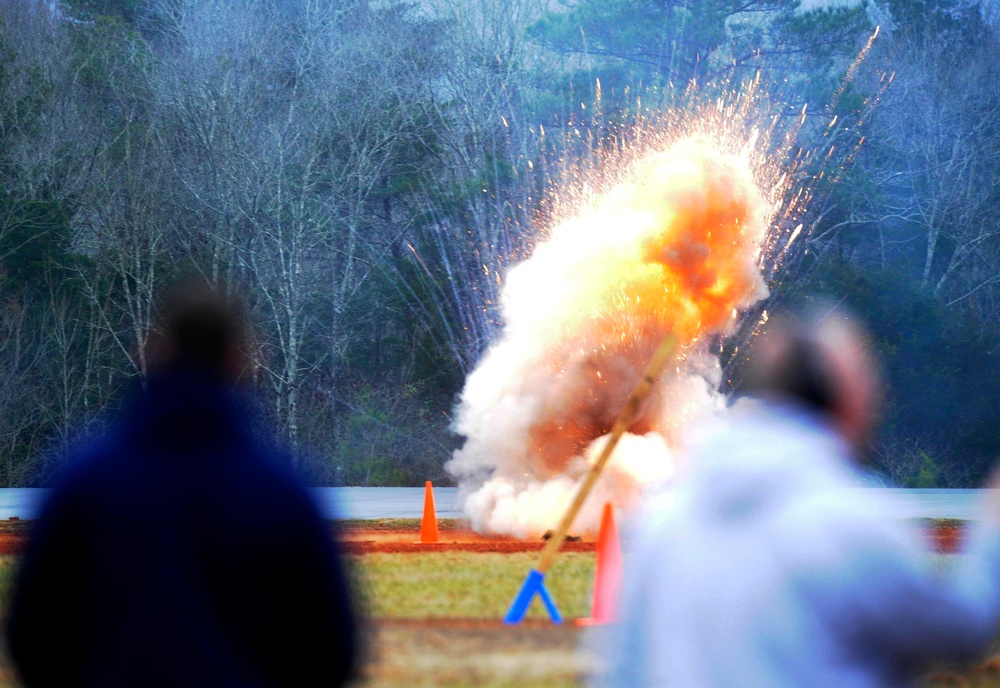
365	171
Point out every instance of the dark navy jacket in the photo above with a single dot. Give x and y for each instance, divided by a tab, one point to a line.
180	552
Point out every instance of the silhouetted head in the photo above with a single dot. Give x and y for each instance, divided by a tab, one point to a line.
201	329
820	358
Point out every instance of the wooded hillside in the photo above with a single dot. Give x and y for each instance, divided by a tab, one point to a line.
366	171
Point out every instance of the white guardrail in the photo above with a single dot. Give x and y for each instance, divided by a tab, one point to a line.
408	502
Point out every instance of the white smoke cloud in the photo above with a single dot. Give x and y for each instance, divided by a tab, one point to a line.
672	250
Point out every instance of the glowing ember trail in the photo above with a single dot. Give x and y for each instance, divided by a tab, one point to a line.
674	248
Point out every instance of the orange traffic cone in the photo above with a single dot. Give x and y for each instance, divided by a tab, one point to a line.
429	524
607	570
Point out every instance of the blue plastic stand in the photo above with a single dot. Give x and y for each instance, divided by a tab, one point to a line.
535	582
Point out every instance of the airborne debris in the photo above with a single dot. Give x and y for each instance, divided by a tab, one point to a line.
569	538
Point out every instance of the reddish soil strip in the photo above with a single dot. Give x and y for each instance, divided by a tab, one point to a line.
12	543
360	537
502	546
946	539
361	540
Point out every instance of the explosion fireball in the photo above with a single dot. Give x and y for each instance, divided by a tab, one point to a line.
673	248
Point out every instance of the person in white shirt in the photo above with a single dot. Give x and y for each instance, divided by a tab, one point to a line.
764	565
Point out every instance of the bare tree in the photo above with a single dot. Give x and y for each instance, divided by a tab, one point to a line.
475	229
123	231
932	164
287	122
21	429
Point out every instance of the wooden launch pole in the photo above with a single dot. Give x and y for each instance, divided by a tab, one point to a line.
535	581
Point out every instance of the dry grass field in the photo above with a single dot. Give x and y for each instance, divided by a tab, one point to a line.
436	610
434	613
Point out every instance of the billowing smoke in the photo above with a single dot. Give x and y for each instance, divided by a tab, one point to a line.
672	249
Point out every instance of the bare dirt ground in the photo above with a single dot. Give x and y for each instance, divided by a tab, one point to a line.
13	535
452	652
393	537
464	652
358	539
403	535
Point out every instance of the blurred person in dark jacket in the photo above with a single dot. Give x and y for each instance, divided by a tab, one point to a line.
179	549
764	565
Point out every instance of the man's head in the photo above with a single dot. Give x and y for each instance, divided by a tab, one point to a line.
820	358
200	328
